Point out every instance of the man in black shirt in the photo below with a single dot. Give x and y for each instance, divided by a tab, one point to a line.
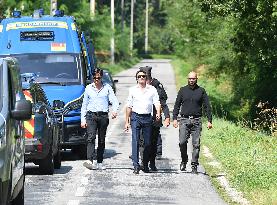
191	98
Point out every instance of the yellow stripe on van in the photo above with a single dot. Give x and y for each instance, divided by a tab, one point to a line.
73	26
1	28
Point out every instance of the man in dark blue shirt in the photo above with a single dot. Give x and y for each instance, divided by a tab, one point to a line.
191	98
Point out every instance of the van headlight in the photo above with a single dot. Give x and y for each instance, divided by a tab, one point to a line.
2	135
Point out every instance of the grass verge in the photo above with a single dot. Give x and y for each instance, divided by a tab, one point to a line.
247	157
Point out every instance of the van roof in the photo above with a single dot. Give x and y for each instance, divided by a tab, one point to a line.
46	34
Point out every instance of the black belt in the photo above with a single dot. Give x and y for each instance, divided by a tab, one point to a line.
97	113
143	115
191	116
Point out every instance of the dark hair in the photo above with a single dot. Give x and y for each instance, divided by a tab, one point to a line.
140	71
147	70
99	71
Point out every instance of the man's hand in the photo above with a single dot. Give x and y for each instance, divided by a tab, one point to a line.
114	115
175	123
167	122
210	125
83	124
127	126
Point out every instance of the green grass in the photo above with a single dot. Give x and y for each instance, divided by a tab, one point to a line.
248	158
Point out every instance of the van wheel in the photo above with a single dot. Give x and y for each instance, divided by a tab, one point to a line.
46	165
58	160
19	200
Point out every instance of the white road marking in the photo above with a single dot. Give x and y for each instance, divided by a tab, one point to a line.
73	202
84	181
80	191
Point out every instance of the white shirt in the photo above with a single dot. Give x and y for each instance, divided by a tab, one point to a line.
141	100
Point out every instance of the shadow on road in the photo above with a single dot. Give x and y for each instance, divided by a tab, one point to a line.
34	170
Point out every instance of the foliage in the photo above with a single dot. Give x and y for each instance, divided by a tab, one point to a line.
254	44
248	158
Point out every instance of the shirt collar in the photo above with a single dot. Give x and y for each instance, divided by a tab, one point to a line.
147	86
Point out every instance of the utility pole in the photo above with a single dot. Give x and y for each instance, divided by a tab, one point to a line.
53	6
132	27
112	27
122	15
92	8
146	28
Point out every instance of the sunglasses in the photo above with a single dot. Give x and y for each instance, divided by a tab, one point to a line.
96	78
141	76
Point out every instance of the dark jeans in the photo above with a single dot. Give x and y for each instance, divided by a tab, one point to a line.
141	122
189	127
96	123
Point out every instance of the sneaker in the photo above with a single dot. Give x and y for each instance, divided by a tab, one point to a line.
194	169
88	164
183	166
101	166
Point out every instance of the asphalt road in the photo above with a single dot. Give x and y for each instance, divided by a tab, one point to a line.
73	184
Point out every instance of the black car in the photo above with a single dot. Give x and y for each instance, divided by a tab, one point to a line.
14	109
107	78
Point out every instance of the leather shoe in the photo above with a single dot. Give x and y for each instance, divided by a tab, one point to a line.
183	166
136	170
145	169
153	167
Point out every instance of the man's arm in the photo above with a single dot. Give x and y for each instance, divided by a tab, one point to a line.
127	118
114	101
84	109
164	107
176	109
157	104
128	111
208	110
177	104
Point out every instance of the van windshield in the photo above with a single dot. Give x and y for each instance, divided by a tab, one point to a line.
51	68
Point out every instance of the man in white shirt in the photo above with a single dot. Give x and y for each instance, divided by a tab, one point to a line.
138	114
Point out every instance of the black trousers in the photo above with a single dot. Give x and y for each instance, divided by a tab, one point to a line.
153	146
154	140
96	123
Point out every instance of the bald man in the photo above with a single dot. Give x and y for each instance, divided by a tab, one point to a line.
191	99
